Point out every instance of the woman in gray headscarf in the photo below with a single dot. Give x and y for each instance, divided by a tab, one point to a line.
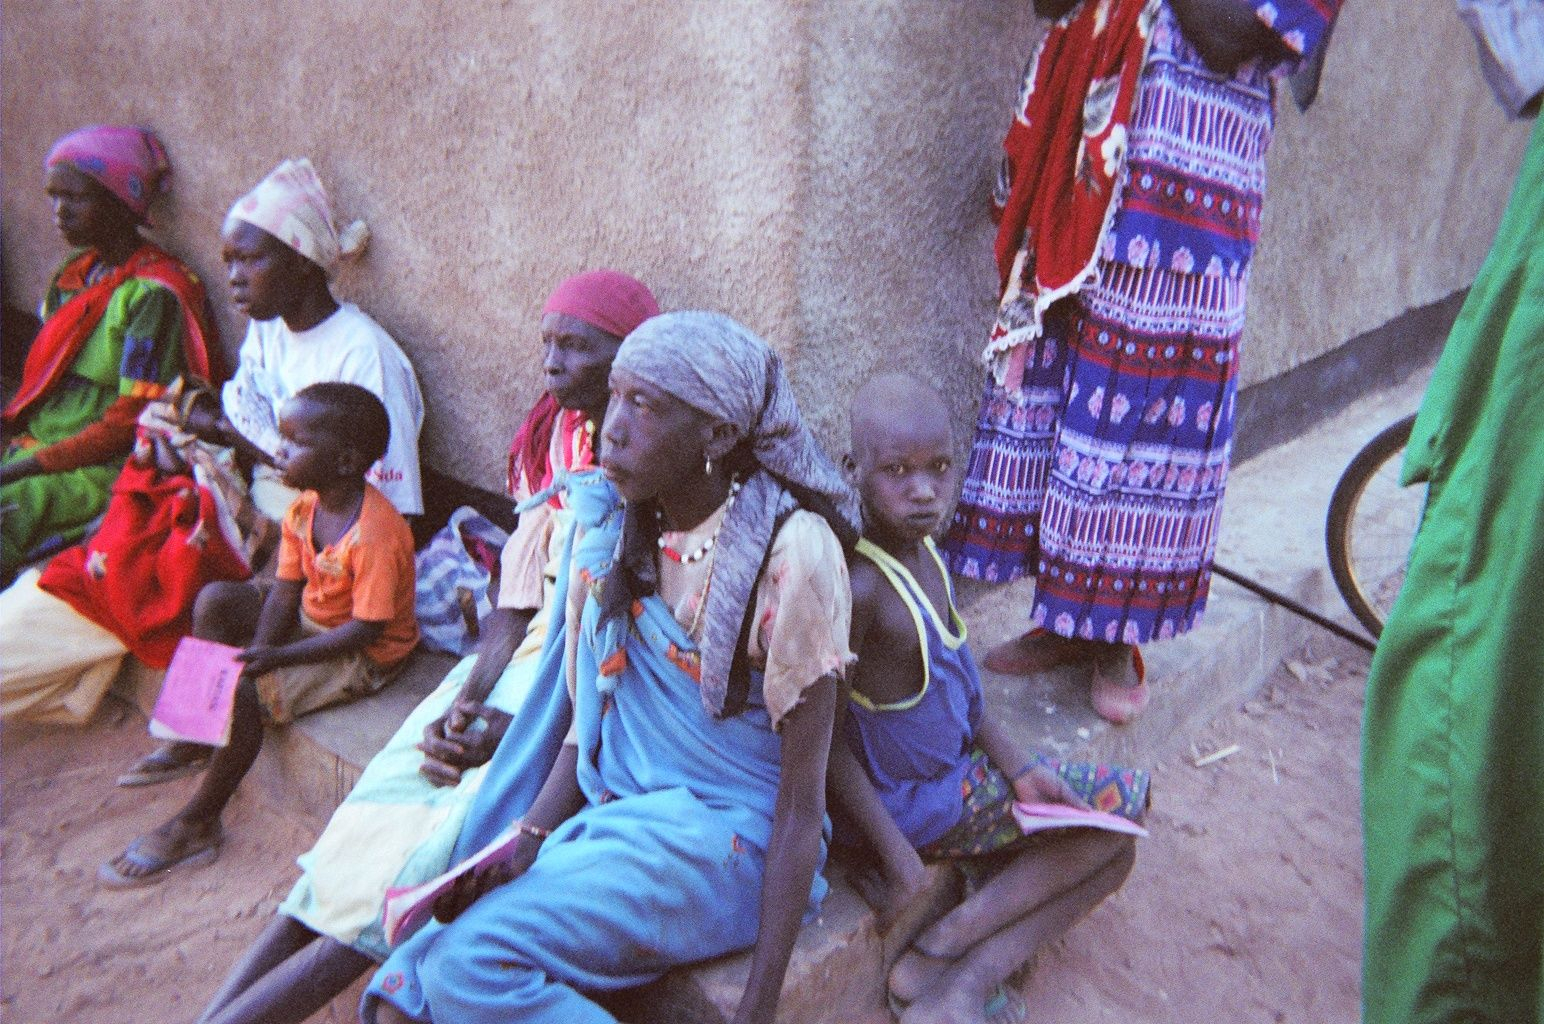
681	815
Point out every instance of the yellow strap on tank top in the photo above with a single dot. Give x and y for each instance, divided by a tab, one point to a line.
916	600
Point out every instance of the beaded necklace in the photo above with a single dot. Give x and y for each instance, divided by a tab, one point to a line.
688	558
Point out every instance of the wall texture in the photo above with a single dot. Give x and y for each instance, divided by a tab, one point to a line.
818	168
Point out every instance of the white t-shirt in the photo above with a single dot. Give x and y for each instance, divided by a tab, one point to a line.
276	362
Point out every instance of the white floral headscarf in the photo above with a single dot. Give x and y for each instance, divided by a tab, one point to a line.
291	205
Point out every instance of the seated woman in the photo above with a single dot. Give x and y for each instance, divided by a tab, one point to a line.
398	825
299	335
281	248
122	319
670	798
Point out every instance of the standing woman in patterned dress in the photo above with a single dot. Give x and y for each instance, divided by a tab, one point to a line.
1130	205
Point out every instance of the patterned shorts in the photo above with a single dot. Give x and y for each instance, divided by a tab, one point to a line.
986	832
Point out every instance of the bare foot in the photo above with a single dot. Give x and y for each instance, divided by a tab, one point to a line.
1118	689
915	974
1039	650
166	762
965	1001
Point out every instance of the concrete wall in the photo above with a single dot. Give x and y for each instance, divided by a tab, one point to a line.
817	168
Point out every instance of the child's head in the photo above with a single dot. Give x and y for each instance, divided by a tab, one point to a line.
331	432
902	457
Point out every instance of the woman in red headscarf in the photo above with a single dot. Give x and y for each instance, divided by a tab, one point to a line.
122	319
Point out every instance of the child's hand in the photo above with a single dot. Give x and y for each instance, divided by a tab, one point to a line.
1040	785
891	886
262	658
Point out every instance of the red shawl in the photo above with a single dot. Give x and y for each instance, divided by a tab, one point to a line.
159	544
54	350
528	452
1065	152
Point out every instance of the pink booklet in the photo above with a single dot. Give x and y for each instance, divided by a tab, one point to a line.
409	906
198	694
1039	817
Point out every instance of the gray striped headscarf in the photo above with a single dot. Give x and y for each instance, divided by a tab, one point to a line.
714	364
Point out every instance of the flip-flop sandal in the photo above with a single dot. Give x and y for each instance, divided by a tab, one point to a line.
160	766
155	868
1006	1005
1119	704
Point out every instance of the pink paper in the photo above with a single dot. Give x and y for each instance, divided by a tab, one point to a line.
409	906
1039	817
198	694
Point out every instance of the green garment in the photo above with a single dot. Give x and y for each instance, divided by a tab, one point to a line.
138	342
1453	748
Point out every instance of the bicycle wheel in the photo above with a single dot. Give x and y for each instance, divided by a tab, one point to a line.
1371	525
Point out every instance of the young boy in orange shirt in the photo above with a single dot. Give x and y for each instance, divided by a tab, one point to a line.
335	625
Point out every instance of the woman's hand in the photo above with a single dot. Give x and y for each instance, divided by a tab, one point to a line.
484	878
464	737
207	423
794	849
1226	33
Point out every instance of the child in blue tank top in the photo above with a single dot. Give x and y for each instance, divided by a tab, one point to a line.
920	770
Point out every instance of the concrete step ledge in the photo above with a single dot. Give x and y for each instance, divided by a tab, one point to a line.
309	766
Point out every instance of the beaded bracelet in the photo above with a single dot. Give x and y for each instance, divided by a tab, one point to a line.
534	831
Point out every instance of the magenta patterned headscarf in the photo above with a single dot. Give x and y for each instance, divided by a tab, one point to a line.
127	160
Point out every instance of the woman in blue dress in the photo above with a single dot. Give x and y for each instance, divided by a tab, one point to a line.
669	798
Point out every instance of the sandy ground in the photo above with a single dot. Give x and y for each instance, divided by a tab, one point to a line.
1245	904
1246	900
74	952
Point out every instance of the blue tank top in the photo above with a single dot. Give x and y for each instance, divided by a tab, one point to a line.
917	751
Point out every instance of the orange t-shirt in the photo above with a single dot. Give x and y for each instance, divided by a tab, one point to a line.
367	574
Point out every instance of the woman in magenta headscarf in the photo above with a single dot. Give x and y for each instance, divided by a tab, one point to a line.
122	319
399	824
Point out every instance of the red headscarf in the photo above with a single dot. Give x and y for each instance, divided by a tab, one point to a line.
609	300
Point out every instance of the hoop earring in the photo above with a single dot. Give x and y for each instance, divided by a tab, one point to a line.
707	467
